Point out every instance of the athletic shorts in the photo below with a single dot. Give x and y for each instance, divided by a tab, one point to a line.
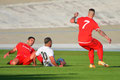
40	58
94	44
22	60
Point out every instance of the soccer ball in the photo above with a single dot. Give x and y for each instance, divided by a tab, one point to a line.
61	61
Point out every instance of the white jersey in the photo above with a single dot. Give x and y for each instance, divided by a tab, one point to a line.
46	53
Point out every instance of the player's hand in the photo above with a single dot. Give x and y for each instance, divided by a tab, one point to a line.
76	14
60	65
34	65
109	40
7	54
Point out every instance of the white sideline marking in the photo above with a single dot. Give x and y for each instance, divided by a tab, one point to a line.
68	47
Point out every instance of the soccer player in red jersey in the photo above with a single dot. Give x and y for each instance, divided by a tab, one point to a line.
85	39
24	50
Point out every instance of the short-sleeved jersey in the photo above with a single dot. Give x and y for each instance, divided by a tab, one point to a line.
24	49
46	53
86	26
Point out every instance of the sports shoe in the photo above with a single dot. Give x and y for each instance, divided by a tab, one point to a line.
103	64
91	66
8	63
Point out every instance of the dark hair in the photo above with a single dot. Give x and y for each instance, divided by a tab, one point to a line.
91	9
31	38
47	39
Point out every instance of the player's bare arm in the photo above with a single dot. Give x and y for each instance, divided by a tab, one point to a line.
54	62
10	52
34	61
102	33
73	19
33	56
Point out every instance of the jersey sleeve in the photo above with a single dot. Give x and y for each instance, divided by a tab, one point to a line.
38	52
79	20
50	53
96	26
18	45
33	49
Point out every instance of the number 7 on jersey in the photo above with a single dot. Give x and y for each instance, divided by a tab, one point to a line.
86	22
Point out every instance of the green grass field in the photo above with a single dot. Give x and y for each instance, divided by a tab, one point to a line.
76	68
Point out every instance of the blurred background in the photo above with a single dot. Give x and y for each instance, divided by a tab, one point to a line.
20	19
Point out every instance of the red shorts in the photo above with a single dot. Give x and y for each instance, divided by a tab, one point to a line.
94	44
40	58
22	60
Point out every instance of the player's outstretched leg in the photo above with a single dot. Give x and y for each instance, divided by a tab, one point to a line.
9	62
100	55
14	61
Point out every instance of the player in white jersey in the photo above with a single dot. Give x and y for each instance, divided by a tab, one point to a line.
47	54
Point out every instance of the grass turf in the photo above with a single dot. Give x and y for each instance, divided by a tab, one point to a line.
76	68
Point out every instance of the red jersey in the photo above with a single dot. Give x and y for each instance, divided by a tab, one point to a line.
86	26
24	49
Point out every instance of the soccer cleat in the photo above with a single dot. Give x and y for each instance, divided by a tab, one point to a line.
103	64
91	66
8	63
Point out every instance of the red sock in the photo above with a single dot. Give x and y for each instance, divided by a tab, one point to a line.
11	61
91	56
40	58
100	53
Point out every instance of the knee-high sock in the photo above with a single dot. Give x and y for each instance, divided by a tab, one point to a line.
91	56
100	52
11	61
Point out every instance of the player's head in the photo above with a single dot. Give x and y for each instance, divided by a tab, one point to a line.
91	12
30	41
48	41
